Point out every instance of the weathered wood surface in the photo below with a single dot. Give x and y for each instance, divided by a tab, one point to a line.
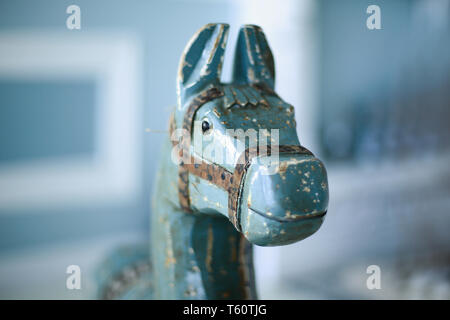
203	223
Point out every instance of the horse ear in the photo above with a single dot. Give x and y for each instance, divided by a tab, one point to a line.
202	59
253	61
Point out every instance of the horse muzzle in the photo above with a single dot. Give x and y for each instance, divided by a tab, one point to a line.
285	201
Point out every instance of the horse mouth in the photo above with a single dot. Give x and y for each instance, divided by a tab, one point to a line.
292	218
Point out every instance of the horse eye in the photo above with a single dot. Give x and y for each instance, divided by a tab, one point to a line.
205	126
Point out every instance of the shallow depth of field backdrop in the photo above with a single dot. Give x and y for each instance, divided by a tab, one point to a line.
78	147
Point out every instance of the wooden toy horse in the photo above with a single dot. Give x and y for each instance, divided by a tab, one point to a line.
218	192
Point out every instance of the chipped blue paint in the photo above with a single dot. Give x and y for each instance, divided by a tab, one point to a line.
201	255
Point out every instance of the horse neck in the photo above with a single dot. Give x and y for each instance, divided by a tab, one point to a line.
196	255
225	259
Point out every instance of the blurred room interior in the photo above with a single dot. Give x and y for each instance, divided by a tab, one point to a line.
83	114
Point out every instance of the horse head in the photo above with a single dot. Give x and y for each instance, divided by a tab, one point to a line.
240	155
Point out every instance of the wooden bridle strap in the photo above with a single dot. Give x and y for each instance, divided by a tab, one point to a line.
232	182
193	165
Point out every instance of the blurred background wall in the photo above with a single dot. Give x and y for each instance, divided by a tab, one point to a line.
81	113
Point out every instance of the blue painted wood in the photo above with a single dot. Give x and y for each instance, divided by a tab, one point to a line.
201	255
